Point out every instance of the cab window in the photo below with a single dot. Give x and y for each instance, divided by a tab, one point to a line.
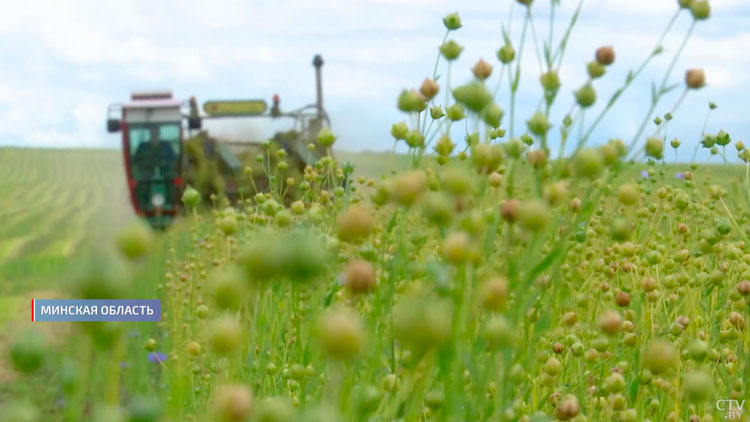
154	149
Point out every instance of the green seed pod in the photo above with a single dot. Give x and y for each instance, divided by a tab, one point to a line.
452	21
496	179
586	96
406	188
487	158
552	367
595	69
550	81
340	333
601	343
399	130
228	224
588	163
700	9
506	54
723	138
493	115
590	355
455	180
201	311
577	349
699	386
450	50
514	147
134	240
629	415
225	336
615	383
556	193
655	147
298	207
708	140
537	158
354	224
261	258
150	345
493	294
420	323
444	146
497	133
456	112
304	256
274	409
498	333
367	399
629	194
101	278
271	207
414	139
609	153
534	215
684	4
538	124
191	197
620	229
436	112
233	403
28	351
193	348
456	248
630	339
697	349
410	101
473	95
660	356
227	288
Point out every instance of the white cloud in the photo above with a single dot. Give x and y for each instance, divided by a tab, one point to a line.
64	63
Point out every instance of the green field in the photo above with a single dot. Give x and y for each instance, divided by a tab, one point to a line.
56	205
60	206
65	208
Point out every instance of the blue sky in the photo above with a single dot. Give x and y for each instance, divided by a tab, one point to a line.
64	62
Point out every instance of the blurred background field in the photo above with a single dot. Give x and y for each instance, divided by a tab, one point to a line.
58	206
61	209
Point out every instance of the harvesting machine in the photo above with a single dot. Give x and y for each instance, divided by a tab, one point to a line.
166	147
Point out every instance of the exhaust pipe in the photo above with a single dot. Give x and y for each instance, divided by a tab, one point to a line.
318	63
